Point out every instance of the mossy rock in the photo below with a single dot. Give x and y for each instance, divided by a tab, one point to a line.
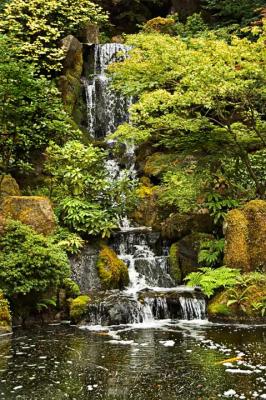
5	316
158	163
8	186
69	82
175	270
246	303
112	271
245	233
176	226
78	308
34	211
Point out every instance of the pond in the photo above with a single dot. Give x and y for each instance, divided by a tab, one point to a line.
164	361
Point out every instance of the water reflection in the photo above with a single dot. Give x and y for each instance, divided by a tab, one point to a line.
174	362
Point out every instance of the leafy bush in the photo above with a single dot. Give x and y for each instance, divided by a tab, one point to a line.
211	279
31	111
40	25
30	262
68	241
87	218
88	200
219	206
211	252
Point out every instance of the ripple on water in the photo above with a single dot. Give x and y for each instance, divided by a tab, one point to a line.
168	361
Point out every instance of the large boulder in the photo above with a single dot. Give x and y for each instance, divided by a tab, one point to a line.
89	34
69	82
8	186
35	211
245	234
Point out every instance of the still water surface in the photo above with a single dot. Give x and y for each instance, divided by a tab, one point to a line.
169	362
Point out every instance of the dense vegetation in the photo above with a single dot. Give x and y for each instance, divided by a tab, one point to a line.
198	121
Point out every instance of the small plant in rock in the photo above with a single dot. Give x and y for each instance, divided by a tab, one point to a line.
260	306
238	297
219	206
211	252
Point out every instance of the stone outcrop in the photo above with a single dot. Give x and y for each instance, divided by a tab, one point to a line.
69	82
8	186
89	34
35	211
183	255
245	234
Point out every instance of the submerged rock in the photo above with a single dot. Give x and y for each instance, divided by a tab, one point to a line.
245	233
35	211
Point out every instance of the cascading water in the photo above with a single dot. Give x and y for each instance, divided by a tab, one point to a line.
106	109
151	293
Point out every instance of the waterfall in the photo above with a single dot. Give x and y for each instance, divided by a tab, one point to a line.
151	293
106	109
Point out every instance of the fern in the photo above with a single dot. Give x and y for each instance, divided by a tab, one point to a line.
211	279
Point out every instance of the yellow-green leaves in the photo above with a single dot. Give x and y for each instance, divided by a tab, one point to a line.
39	25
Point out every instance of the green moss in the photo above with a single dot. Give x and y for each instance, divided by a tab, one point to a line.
5	316
78	308
158	163
219	309
245	300
112	271
175	271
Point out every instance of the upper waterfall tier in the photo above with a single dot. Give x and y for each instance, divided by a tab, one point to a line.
106	109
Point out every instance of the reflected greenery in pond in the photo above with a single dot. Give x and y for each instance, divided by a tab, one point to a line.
176	361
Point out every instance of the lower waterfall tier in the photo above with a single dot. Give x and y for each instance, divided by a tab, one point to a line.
119	308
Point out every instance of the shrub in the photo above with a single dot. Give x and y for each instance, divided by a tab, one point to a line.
30	262
39	26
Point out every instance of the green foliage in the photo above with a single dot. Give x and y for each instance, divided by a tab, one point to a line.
230	11
201	96
68	241
5	314
179	189
87	218
31	111
238	297
45	304
260	306
78	307
71	288
30	262
211	252
212	279
219	206
39	26
84	192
